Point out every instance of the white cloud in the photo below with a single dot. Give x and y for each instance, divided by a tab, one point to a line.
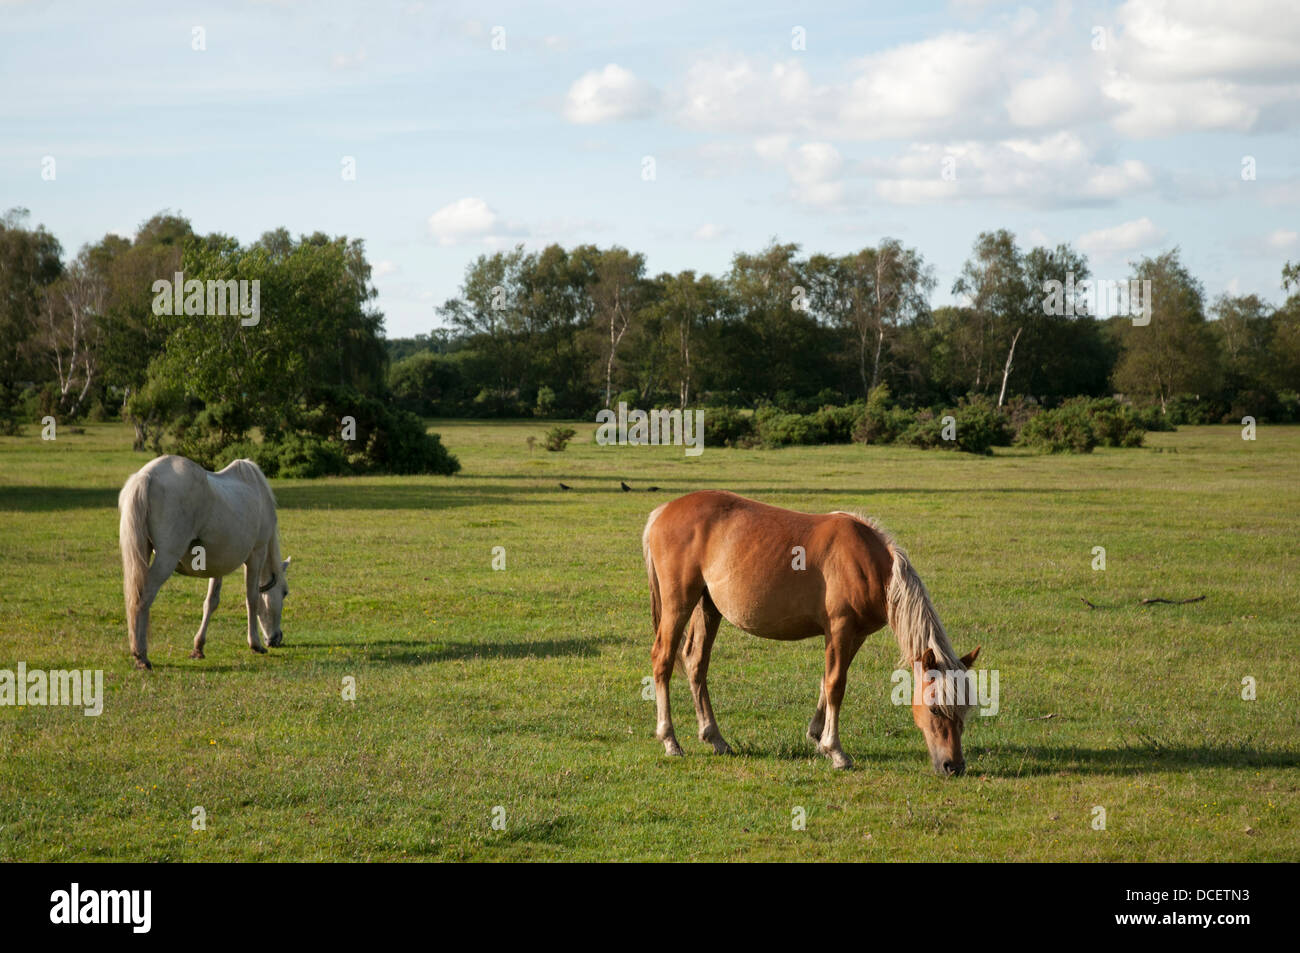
814	169
1193	39
1282	239
468	220
709	232
384	268
1166	69
609	94
1054	170
1130	236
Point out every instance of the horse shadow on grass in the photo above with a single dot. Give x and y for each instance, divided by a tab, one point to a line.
1009	761
398	652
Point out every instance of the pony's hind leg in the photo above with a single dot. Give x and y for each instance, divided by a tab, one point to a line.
163	565
667	641
209	606
695	649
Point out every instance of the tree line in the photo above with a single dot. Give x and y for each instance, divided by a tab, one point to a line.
563	332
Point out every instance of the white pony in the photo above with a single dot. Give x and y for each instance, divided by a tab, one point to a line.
206	525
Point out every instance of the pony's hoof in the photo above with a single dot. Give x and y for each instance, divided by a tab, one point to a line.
259	649
673	749
197	653
839	759
275	641
143	664
721	747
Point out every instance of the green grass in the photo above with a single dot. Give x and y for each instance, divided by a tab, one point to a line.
522	688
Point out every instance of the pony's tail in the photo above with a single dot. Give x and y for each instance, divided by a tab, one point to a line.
656	606
133	536
912	617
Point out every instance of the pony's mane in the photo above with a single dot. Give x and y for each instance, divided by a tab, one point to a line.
251	473
911	614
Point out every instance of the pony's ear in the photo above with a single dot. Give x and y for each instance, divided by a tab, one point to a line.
928	661
969	658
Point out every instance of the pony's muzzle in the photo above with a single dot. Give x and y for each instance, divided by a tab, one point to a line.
952	769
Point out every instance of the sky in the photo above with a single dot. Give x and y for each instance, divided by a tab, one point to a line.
437	132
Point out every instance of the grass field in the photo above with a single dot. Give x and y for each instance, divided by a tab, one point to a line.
522	689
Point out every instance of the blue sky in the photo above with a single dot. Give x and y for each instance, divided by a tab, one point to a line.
1119	127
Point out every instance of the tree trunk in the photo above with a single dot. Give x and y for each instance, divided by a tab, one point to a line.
875	366
1006	371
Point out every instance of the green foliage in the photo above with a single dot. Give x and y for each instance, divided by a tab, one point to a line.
312	358
981	425
1081	424
557	438
429	384
546	404
729	427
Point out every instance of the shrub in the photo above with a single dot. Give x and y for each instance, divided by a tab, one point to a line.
981	425
878	422
779	429
1193	411
557	438
1067	429
839	423
728	427
924	432
1114	424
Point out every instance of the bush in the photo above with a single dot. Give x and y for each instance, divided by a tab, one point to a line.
839	423
779	429
924	432
878	422
1113	423
1193	411
557	438
981	425
728	427
1067	429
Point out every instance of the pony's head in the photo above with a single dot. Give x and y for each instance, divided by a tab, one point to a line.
271	603
940	716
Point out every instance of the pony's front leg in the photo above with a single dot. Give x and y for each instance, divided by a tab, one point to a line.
253	573
841	646
209	606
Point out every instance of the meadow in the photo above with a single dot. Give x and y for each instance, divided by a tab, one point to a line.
517	693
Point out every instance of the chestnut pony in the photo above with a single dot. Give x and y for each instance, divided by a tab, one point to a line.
784	575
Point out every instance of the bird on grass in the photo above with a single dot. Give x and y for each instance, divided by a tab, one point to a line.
626	488
651	489
565	486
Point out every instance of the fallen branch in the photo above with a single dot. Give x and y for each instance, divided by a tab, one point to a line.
1144	602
